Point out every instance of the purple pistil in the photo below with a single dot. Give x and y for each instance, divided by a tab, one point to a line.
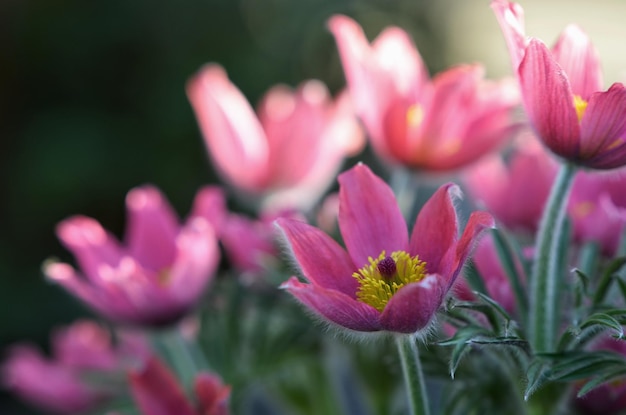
387	267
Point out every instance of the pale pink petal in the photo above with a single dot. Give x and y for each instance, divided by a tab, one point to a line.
579	59
413	307
156	391
152	226
334	306
603	126
435	229
510	17
370	219
230	128
549	101
210	204
322	261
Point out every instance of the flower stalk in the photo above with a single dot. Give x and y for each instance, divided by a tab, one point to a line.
545	273
413	376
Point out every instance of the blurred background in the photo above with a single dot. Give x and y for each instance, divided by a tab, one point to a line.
92	103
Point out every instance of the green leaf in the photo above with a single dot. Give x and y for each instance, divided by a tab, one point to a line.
461	343
599	381
511	263
604	321
607	278
536	376
474	278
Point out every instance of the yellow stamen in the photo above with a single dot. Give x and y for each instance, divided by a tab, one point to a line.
164	276
414	115
582	209
384	276
581	106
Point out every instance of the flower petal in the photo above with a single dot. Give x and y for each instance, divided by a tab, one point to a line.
477	223
435	229
210	204
549	101
369	216
322	261
231	130
334	306
579	59
414	305
510	17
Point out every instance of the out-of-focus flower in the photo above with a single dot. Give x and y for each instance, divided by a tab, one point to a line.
516	193
385	281
81	352
561	91
610	398
439	124
154	278
290	152
156	392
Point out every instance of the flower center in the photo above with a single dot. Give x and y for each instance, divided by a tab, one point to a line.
414	115
581	106
384	276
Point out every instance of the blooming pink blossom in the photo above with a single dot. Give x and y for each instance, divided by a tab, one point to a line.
562	93
290	152
385	280
156	392
154	278
81	351
439	124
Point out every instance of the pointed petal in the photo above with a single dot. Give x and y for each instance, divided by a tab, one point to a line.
549	101
156	391
413	307
210	204
435	229
603	126
322	261
477	223
152	228
212	394
579	59
510	17
231	130
369	217
334	306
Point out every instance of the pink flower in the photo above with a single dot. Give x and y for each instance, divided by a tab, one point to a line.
562	93
156	392
81	351
290	152
385	281
154	278
439	124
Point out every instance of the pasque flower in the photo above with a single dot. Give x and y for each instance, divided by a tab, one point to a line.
562	93
155	277
80	352
156	392
439	124
289	152
385	281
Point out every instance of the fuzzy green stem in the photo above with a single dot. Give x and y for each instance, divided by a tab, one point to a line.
544	283
413	376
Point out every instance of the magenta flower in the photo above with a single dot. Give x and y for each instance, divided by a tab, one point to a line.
562	93
385	281
81	351
156	392
439	124
291	150
154	278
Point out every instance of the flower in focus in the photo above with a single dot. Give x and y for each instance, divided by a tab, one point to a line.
609	398
289	152
562	93
81	351
439	124
385	281
154	278
156	392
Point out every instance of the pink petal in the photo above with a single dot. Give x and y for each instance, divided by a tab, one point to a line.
230	128
322	261
579	59
151	228
156	391
549	101
369	217
477	223
435	229
212	394
334	306
511	20
210	204
604	122
413	307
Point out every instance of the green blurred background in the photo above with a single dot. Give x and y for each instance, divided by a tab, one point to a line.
92	103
